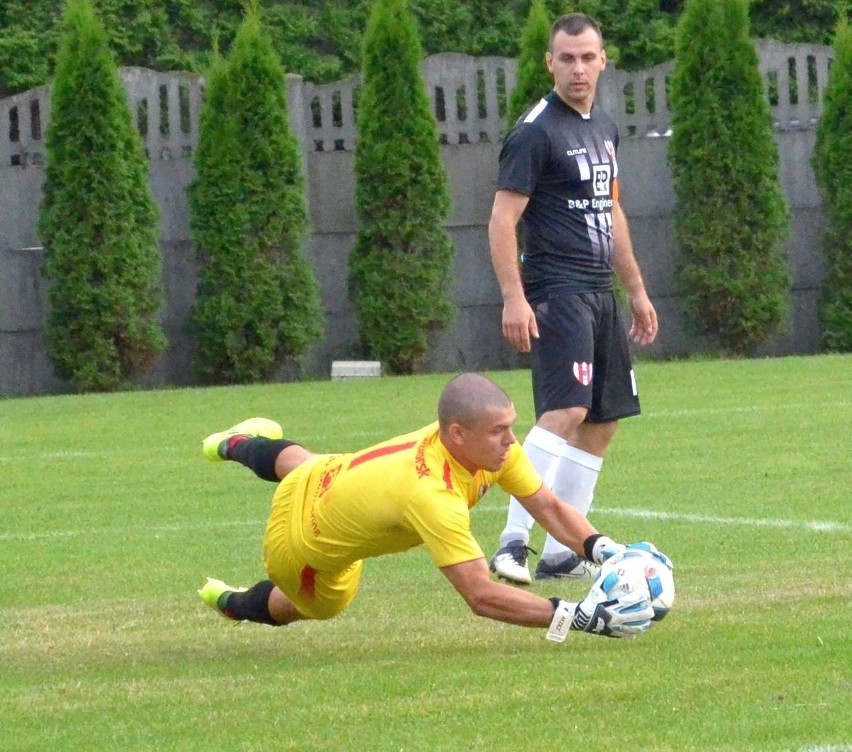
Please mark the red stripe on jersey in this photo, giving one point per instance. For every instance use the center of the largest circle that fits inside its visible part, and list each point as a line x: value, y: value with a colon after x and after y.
x: 309, y: 582
x: 381, y: 452
x: 448, y: 476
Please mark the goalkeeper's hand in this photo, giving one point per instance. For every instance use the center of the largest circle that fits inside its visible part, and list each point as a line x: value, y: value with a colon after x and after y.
x: 624, y: 610
x: 626, y: 615
x: 602, y: 548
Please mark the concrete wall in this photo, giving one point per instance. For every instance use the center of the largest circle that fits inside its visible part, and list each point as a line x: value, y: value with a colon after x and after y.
x: 469, y: 96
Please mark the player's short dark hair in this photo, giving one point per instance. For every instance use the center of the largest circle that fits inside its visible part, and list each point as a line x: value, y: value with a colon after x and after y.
x: 466, y: 399
x: 574, y: 24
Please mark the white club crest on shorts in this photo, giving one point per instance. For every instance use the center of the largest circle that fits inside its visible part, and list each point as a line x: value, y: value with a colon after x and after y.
x: 583, y: 373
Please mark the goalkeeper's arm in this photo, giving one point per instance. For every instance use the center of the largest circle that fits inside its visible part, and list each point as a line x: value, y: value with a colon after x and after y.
x: 608, y: 615
x: 506, y: 603
x: 494, y: 600
x: 569, y: 526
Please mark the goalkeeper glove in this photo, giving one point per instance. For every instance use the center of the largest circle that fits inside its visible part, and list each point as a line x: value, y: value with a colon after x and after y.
x: 625, y: 616
x: 622, y: 611
x: 598, y: 548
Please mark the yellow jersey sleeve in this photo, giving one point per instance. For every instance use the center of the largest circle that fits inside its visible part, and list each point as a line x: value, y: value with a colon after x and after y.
x: 442, y: 520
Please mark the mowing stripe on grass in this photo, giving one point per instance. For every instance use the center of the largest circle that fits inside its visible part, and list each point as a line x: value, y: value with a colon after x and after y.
x: 813, y: 526
x: 148, y: 530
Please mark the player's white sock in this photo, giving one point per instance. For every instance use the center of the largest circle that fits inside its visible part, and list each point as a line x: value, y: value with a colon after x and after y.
x: 544, y: 449
x: 575, y: 475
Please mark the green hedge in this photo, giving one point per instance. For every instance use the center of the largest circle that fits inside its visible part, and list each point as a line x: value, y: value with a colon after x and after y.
x: 321, y: 39
x: 730, y: 217
x: 257, y: 306
x: 400, y: 268
x: 533, y: 80
x: 833, y: 168
x: 98, y: 220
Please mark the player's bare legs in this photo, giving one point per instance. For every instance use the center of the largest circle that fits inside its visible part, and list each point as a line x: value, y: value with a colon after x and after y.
x: 570, y: 425
x: 281, y: 608
x: 289, y: 459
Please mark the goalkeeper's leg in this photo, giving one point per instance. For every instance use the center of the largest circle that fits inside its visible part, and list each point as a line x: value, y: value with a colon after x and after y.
x: 258, y: 444
x: 262, y: 603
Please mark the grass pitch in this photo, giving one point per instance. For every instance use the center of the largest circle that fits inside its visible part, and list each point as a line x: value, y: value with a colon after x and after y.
x: 739, y: 470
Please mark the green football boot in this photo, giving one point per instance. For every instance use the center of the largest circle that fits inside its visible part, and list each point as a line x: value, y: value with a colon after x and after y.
x: 215, y: 446
x: 213, y: 590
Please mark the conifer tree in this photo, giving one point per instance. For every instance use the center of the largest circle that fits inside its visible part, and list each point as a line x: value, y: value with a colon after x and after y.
x: 833, y: 168
x: 534, y: 80
x: 400, y: 266
x: 257, y: 305
x: 730, y: 217
x: 98, y: 220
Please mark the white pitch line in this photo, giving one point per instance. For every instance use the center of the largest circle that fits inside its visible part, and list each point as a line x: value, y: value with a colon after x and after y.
x: 814, y: 526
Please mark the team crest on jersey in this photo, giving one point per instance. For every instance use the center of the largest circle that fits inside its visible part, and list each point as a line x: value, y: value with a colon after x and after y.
x: 583, y: 373
x: 327, y: 479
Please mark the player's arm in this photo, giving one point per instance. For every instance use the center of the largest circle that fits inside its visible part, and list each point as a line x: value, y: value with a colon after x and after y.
x: 562, y: 521
x: 601, y: 613
x: 519, y: 477
x: 644, y: 326
x: 518, y: 318
x: 497, y: 601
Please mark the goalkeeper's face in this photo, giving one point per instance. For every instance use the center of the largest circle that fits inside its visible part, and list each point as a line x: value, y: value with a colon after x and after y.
x: 484, y: 444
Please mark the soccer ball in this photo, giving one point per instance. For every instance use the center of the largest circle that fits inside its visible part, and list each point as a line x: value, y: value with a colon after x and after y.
x: 641, y: 560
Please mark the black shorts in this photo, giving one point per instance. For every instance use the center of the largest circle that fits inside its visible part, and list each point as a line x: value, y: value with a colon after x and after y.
x: 582, y: 358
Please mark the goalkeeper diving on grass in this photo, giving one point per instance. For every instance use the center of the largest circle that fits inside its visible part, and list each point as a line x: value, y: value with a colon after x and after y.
x: 330, y: 512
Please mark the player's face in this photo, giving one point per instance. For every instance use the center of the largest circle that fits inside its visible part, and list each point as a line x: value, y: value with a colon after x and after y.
x: 485, y: 445
x: 576, y: 62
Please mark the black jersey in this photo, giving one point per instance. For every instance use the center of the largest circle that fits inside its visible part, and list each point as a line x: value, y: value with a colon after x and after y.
x: 566, y: 163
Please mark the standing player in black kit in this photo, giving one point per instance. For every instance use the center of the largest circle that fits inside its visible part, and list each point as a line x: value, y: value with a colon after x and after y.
x: 558, y: 173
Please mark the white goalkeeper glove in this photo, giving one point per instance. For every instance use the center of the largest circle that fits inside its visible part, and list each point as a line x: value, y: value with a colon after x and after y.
x: 624, y: 611
x: 598, y: 548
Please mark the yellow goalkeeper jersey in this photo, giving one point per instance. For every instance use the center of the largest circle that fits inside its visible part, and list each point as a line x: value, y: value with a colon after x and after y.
x: 391, y: 497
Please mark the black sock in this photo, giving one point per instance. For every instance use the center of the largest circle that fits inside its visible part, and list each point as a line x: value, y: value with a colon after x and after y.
x: 258, y: 454
x: 251, y: 605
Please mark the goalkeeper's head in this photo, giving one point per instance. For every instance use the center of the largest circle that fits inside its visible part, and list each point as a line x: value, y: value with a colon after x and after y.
x: 475, y: 417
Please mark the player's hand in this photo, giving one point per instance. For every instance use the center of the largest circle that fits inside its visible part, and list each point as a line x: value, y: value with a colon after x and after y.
x: 654, y: 551
x: 644, y: 326
x: 604, y: 548
x: 624, y: 611
x: 519, y: 324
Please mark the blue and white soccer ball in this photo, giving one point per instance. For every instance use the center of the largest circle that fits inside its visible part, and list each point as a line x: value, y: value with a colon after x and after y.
x: 636, y: 562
